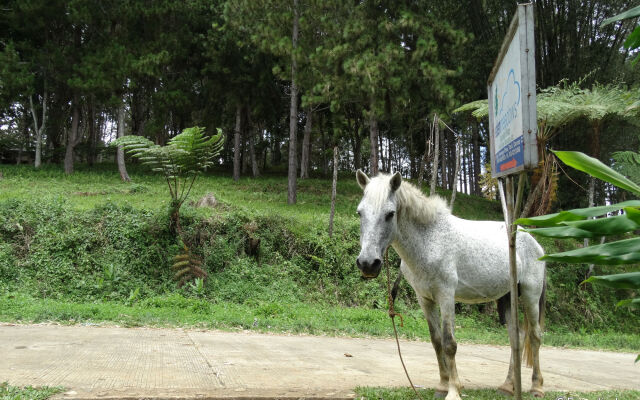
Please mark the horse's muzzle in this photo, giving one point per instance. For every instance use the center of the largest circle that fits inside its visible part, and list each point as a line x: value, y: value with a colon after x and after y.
x: 369, y: 270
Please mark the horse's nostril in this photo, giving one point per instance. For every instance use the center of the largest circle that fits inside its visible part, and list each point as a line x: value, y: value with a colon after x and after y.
x: 376, y: 263
x: 358, y: 263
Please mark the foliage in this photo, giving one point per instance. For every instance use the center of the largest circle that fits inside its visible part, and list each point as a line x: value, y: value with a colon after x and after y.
x: 575, y: 224
x: 488, y: 184
x: 180, y: 161
x: 184, y: 157
x: 10, y: 392
x: 560, y: 105
x: 92, y: 239
x: 633, y: 41
x: 628, y: 164
x: 187, y: 266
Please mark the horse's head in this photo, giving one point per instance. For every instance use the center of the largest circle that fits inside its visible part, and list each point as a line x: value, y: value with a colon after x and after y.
x: 378, y: 220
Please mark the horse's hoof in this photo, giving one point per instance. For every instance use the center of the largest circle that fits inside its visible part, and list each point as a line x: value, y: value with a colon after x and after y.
x: 440, y: 394
x: 506, y: 390
x: 538, y: 393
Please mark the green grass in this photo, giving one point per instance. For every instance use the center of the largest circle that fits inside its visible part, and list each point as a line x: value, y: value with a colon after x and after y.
x: 89, y: 187
x: 9, y: 392
x: 176, y: 310
x: 90, y: 248
x: 490, y: 394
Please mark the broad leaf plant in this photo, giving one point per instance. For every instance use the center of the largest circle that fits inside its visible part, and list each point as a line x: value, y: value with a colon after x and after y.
x: 578, y: 224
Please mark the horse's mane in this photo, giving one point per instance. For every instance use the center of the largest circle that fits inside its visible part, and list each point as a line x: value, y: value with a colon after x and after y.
x: 411, y: 202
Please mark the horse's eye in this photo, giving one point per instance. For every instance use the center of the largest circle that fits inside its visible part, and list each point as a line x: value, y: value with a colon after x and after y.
x: 389, y: 216
x: 358, y: 212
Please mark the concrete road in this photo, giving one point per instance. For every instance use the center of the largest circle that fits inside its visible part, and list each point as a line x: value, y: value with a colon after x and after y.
x: 111, y: 362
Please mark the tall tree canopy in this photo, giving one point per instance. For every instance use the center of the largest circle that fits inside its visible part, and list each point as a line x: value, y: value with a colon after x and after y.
x: 288, y: 80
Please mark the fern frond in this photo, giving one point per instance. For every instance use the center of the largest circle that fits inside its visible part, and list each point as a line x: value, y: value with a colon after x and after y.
x: 187, y: 267
x: 628, y: 164
x: 181, y: 264
x: 182, y: 272
x: 478, y: 108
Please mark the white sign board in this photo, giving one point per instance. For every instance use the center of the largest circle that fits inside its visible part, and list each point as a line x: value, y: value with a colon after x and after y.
x: 512, y: 99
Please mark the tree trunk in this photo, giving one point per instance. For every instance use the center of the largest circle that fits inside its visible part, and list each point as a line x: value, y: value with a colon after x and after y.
x: 91, y: 120
x: 475, y: 140
x: 465, y: 187
x: 436, y: 154
x: 72, y: 137
x: 356, y: 141
x: 325, y: 163
x: 595, y: 153
x: 38, y: 131
x: 276, y: 154
x: 373, y: 138
x: 334, y: 185
x: 252, y: 154
x: 236, y: 143
x: 120, y: 153
x: 25, y: 137
x: 451, y: 161
x: 293, y: 113
x: 381, y: 151
x: 306, y: 146
x: 443, y: 160
x: 389, y: 156
x: 454, y: 180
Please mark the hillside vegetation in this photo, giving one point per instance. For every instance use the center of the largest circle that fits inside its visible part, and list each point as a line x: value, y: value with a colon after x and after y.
x: 91, y: 248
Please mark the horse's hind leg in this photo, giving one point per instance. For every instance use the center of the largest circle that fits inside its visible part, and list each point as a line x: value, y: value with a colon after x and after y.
x: 433, y: 318
x: 532, y: 343
x: 449, y: 345
x: 507, y: 387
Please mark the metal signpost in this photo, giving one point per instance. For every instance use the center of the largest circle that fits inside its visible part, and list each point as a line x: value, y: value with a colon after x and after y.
x: 512, y: 126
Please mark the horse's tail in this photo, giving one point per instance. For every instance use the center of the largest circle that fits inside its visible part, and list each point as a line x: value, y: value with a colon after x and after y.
x: 528, y: 351
x: 543, y: 299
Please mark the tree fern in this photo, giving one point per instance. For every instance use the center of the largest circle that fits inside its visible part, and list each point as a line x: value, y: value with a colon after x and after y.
x: 180, y: 161
x: 628, y: 164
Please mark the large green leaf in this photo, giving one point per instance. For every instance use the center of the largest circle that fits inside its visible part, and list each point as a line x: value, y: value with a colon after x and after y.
x: 628, y: 280
x: 596, y: 168
x: 629, y: 302
x: 614, y: 253
x: 605, y: 226
x: 633, y: 40
x: 633, y: 12
x: 560, y: 232
x: 633, y: 214
x: 575, y: 215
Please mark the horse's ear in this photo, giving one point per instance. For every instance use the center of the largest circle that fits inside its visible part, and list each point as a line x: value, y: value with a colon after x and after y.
x: 396, y: 180
x: 362, y: 179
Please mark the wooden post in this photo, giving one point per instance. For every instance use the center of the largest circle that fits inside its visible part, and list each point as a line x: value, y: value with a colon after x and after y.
x: 436, y: 149
x: 511, y: 210
x: 334, y: 185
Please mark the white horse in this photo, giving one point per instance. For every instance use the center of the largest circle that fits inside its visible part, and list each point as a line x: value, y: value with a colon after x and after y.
x: 447, y: 259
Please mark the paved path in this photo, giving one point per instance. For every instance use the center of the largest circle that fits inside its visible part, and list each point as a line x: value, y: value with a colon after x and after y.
x: 110, y: 362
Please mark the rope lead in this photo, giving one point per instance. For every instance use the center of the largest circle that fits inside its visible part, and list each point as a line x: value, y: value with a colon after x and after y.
x: 392, y: 315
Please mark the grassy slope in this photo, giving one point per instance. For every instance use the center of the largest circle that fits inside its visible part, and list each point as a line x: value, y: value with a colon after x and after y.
x: 266, y: 195
x: 270, y: 299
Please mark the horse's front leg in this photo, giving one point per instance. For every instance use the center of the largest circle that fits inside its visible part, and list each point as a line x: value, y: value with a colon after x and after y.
x: 433, y: 318
x: 449, y: 345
